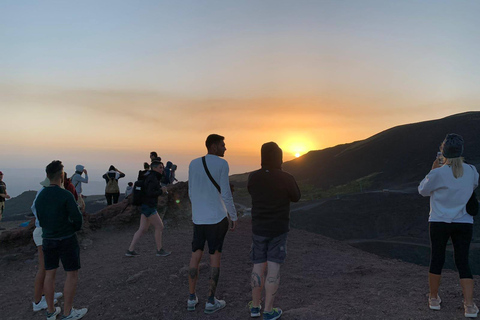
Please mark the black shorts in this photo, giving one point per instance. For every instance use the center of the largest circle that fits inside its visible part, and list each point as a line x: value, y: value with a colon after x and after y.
x: 66, y: 250
x: 269, y: 249
x: 214, y: 234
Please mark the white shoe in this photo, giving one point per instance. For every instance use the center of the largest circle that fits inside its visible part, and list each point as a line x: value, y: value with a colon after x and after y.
x: 213, y: 307
x: 53, y: 316
x: 191, y: 304
x: 76, y: 314
x: 42, y: 305
x: 471, y: 311
x: 57, y: 295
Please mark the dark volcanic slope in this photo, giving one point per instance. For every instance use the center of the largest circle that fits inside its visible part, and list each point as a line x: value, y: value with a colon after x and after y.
x: 401, y: 155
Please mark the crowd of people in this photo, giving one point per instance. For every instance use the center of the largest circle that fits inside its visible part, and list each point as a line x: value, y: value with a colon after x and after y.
x: 449, y: 184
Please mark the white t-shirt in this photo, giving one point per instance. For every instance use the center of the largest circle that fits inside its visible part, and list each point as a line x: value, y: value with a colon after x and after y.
x: 208, y: 205
x: 449, y: 195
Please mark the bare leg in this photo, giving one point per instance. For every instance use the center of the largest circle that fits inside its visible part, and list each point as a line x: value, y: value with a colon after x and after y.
x: 271, y: 284
x: 467, y: 288
x: 214, y: 272
x: 193, y: 270
x: 157, y: 222
x: 434, y: 284
x: 40, y: 277
x: 141, y: 230
x: 69, y: 290
x: 257, y: 282
x: 49, y: 288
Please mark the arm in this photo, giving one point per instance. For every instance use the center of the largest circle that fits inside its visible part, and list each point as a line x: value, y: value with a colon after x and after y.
x: 428, y: 184
x: 294, y: 190
x: 74, y: 213
x: 152, y: 187
x: 226, y: 193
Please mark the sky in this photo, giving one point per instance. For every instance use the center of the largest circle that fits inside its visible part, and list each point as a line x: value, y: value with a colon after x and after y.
x: 106, y: 82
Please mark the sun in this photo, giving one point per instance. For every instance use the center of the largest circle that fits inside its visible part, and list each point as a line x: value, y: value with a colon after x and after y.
x: 298, y: 145
x: 297, y: 154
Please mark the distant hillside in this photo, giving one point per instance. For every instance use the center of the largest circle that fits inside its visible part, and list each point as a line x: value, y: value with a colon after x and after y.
x: 17, y: 208
x: 396, y: 158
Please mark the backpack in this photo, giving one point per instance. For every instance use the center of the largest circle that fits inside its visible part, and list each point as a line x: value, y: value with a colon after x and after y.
x: 136, y: 197
x: 112, y: 186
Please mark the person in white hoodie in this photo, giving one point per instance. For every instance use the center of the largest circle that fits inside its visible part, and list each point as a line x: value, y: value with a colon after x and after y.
x: 77, y: 181
x: 449, y: 187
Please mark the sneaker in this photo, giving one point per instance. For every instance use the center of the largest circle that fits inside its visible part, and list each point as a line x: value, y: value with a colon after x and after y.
x: 471, y: 311
x: 75, y: 314
x: 163, y: 253
x: 53, y: 315
x: 434, y: 303
x: 131, y: 253
x: 254, y: 311
x: 276, y: 313
x: 213, y: 307
x: 57, y: 295
x: 42, y: 305
x: 191, y: 304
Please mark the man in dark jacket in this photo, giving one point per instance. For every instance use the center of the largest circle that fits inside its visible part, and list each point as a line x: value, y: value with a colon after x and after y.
x: 152, y: 190
x: 59, y: 217
x: 272, y: 190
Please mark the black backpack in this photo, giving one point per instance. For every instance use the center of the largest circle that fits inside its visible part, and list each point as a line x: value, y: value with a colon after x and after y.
x: 138, y: 193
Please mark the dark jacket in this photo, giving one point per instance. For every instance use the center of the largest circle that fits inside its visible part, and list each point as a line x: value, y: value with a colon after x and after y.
x: 152, y: 188
x: 272, y: 190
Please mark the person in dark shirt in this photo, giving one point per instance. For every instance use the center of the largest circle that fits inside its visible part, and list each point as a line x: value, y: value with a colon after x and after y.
x: 3, y: 195
x: 272, y: 190
x: 112, y: 191
x: 59, y: 217
x: 149, y: 214
x: 142, y: 173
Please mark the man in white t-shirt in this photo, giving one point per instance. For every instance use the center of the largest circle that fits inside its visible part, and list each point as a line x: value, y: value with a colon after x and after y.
x: 212, y: 209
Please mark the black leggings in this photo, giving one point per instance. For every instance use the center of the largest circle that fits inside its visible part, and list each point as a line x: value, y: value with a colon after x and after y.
x: 461, y: 234
x: 111, y: 196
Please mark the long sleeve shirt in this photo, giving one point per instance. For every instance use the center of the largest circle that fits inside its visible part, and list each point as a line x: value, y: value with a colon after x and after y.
x: 77, y: 180
x: 449, y: 195
x: 208, y: 205
x: 57, y: 213
x: 272, y: 190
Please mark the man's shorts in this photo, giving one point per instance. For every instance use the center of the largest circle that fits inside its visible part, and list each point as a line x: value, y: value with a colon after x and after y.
x: 148, y: 211
x: 37, y: 236
x: 214, y: 234
x: 269, y: 249
x: 66, y: 250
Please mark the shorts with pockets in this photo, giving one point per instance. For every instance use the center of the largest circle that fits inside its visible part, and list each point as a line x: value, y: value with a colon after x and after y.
x: 67, y: 250
x: 269, y: 249
x: 213, y: 234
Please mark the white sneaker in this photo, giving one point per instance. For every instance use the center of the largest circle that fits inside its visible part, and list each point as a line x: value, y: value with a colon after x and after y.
x: 75, y: 314
x: 213, y: 307
x: 53, y: 315
x: 57, y: 295
x: 191, y: 304
x: 42, y: 305
x: 471, y: 311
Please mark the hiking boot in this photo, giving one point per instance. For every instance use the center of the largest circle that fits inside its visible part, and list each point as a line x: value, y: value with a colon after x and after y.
x: 191, y: 304
x: 213, y: 307
x: 53, y: 315
x: 254, y: 311
x: 276, y: 313
x: 434, y: 303
x: 131, y: 253
x: 163, y: 253
x: 42, y: 305
x: 471, y: 311
x: 75, y: 314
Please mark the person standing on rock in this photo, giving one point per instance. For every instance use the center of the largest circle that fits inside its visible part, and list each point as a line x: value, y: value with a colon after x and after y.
x: 149, y: 214
x: 272, y: 190
x: 112, y: 191
x: 3, y: 195
x: 59, y: 217
x: 449, y: 187
x: 77, y: 181
x: 212, y: 206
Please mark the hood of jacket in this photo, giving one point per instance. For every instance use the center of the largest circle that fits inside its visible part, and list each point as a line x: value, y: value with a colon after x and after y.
x: 272, y: 156
x: 79, y: 168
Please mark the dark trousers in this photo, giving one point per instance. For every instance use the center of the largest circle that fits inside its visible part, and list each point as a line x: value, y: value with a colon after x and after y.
x: 112, y: 196
x: 461, y: 235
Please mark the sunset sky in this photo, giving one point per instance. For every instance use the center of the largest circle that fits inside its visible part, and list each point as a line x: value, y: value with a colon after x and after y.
x: 106, y: 82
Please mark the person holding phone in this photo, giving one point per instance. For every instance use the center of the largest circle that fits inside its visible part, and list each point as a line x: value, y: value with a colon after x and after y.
x: 449, y: 187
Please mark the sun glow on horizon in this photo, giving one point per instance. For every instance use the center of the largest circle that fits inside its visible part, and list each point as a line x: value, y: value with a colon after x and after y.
x: 298, y: 145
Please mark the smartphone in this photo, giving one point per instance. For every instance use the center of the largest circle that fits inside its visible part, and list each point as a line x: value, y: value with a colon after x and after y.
x: 441, y: 158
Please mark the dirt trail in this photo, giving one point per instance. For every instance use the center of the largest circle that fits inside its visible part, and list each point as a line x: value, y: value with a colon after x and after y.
x: 321, y: 279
